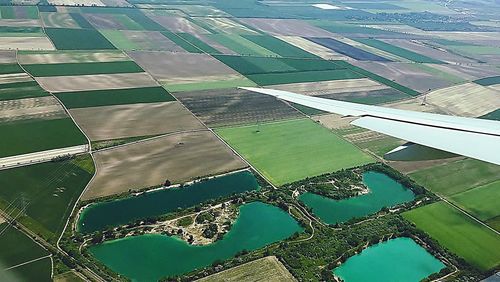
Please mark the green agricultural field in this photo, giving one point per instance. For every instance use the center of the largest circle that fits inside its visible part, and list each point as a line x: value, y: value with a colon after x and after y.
x: 20, y: 90
x: 204, y: 47
x: 481, y: 201
x: 41, y: 70
x: 28, y: 136
x: 398, y: 51
x: 488, y: 81
x: 291, y: 150
x: 241, y: 45
x: 81, y: 21
x: 108, y: 97
x: 10, y: 68
x: 39, y: 271
x: 278, y: 46
x: 306, y: 76
x: 119, y: 40
x: 494, y: 223
x: 438, y: 73
x: 452, y: 178
x: 460, y: 234
x: 25, y: 249
x: 495, y: 115
x: 48, y: 189
x: 78, y: 39
x: 181, y: 42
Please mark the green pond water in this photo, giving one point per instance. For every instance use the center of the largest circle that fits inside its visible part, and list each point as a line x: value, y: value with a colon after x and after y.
x: 113, y: 213
x: 399, y: 259
x: 384, y: 192
x: 150, y: 257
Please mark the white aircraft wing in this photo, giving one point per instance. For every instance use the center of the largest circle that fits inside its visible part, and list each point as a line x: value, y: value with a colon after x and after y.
x: 474, y: 138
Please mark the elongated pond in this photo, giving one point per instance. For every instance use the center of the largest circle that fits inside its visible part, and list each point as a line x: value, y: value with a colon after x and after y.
x: 113, y: 213
x: 399, y: 259
x: 150, y: 257
x: 384, y: 192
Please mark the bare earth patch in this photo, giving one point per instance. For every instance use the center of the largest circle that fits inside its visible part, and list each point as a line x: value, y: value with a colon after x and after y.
x: 469, y: 99
x: 39, y: 108
x: 330, y: 87
x: 58, y: 20
x: 151, y: 40
x: 178, y: 24
x: 76, y: 2
x: 14, y: 77
x: 20, y: 23
x: 179, y: 158
x: 121, y: 121
x: 72, y: 57
x: 95, y: 82
x: 170, y: 67
x: 287, y: 27
x: 264, y: 269
x: 7, y: 57
x: 26, y: 43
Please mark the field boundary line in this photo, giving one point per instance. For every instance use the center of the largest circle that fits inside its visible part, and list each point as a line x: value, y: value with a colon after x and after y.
x: 28, y: 262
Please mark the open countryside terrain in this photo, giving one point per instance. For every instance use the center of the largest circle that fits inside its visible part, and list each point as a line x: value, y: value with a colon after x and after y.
x: 108, y: 102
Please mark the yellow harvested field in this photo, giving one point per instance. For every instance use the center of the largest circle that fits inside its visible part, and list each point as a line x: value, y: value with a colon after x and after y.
x: 26, y: 43
x: 313, y: 48
x: 264, y: 269
x: 178, y: 158
x: 14, y: 77
x: 40, y: 108
x: 469, y: 99
x: 331, y: 87
x: 96, y: 82
x: 72, y: 57
x: 121, y: 121
x: 334, y: 121
x: 415, y: 104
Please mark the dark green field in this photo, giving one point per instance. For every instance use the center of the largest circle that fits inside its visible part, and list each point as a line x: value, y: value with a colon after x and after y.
x: 10, y: 68
x: 78, y: 39
x: 306, y: 76
x: 21, y: 137
x: 49, y: 189
x: 488, y: 81
x: 181, y: 42
x: 40, y: 70
x: 84, y: 99
x: 17, y: 247
x: 20, y: 90
x: 197, y: 43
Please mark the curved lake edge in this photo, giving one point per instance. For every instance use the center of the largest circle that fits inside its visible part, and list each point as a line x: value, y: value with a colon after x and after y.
x: 247, y: 181
x: 433, y: 265
x: 356, y: 208
x: 246, y: 235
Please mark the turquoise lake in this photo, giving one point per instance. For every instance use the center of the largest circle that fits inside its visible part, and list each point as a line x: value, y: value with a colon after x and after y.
x: 151, y: 257
x: 399, y: 259
x: 384, y: 192
x: 113, y: 213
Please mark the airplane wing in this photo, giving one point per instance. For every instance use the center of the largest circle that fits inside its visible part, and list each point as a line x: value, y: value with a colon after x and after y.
x: 474, y: 138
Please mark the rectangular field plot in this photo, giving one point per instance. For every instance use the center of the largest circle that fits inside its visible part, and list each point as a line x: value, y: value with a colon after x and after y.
x: 290, y: 27
x: 78, y: 39
x: 398, y: 51
x: 292, y: 150
x: 7, y: 57
x: 450, y: 179
x: 488, y: 81
x: 467, y: 99
x: 267, y: 268
x: 20, y: 90
x: 52, y: 184
x: 481, y: 201
x: 26, y: 43
x: 18, y: 12
x: 305, y: 76
x: 226, y: 25
x: 360, y: 90
x: 96, y: 98
x: 241, y: 45
x: 17, y: 137
x: 121, y: 121
x: 279, y: 47
x: 346, y: 49
x: 235, y: 106
x: 178, y: 25
x: 42, y: 70
x: 96, y: 82
x: 31, y: 108
x: 67, y: 57
x: 477, y: 244
x: 140, y: 40
x: 313, y: 48
x: 179, y: 158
